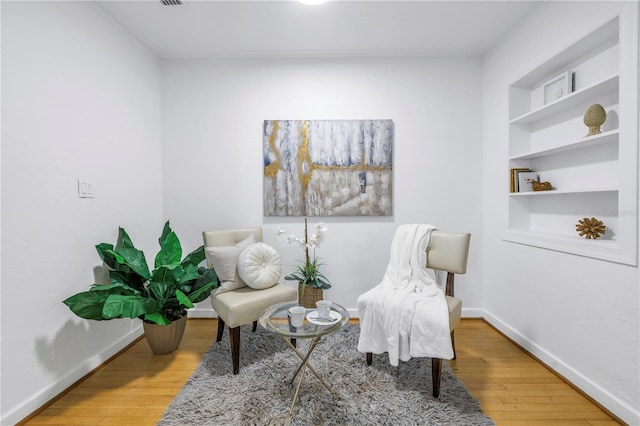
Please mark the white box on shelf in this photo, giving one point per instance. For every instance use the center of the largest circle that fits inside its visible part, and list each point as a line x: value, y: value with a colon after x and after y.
x: 558, y: 87
x: 525, y: 180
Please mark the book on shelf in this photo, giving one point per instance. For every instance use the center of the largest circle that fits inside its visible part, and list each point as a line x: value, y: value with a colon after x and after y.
x: 514, y: 177
x: 525, y: 180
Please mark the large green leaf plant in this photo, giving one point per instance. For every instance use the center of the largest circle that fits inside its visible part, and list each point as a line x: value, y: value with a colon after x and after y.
x: 159, y: 296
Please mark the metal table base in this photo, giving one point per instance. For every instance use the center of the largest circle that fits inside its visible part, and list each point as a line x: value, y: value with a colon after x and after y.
x: 301, y: 370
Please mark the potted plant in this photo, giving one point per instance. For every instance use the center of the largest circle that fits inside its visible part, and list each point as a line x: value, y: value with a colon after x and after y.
x: 308, y: 274
x: 160, y: 297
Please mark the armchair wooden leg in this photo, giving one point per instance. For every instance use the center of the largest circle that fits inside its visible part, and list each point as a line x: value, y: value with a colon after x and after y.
x: 369, y: 358
x: 234, y: 337
x: 220, y: 329
x: 453, y: 344
x: 436, y: 371
x: 255, y: 326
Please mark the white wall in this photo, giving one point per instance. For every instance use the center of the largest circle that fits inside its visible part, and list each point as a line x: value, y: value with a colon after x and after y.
x: 579, y: 315
x: 212, y: 148
x: 80, y: 99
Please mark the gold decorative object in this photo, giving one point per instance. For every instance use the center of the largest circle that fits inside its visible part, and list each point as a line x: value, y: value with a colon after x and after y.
x: 590, y: 228
x: 594, y: 118
x: 541, y: 186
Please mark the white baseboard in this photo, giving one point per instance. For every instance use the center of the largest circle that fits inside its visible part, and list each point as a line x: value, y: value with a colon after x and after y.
x: 202, y: 313
x: 38, y: 400
x: 620, y: 408
x: 472, y: 312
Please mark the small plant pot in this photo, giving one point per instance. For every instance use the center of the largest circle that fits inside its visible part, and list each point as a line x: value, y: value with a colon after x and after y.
x: 309, y: 296
x: 164, y: 339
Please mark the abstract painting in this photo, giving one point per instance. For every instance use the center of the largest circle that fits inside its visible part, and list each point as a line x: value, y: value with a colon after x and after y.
x: 328, y: 167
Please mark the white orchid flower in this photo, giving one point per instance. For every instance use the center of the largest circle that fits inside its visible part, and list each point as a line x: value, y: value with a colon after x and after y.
x: 317, y: 239
x: 308, y: 273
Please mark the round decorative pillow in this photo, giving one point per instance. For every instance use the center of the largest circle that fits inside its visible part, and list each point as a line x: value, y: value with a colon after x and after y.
x: 259, y: 266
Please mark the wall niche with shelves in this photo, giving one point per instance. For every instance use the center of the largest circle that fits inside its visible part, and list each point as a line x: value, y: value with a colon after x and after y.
x: 591, y: 176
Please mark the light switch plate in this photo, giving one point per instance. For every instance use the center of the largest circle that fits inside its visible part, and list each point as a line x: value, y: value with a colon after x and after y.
x: 85, y: 188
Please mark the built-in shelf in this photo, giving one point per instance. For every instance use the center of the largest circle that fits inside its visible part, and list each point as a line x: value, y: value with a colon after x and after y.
x: 596, y: 176
x: 582, y: 48
x: 571, y: 100
x: 582, y: 143
x: 610, y: 250
x: 555, y: 192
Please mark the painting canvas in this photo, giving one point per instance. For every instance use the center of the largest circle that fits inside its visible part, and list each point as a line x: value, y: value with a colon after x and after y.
x: 328, y: 167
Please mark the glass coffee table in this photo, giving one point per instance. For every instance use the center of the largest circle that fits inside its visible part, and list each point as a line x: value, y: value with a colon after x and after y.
x: 275, y: 320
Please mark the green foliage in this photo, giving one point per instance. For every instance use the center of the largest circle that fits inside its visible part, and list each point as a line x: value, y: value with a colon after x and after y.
x: 160, y: 296
x: 309, y: 274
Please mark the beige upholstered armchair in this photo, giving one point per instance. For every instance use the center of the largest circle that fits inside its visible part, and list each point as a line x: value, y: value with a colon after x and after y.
x: 445, y: 251
x: 234, y: 301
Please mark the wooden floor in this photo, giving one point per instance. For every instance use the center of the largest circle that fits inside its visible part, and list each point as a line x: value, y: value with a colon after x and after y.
x: 135, y: 387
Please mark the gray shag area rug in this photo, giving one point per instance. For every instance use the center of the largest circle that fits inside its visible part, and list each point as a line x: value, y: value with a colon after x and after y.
x: 378, y: 394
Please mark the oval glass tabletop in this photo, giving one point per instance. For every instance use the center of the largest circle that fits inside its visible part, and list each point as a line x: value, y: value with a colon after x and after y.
x: 276, y: 320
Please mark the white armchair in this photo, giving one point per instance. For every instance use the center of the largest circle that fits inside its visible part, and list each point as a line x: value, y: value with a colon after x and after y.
x: 446, y: 251
x: 235, y: 303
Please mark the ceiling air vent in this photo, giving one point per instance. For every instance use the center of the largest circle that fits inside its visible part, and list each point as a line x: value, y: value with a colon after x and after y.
x: 171, y: 2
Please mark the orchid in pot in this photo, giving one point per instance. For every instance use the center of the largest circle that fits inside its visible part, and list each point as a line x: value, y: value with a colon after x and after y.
x: 308, y: 274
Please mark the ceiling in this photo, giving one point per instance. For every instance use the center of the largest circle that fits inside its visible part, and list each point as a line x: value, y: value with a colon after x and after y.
x: 239, y: 29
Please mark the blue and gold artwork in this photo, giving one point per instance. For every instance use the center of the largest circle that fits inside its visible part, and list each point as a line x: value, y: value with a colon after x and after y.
x: 328, y: 167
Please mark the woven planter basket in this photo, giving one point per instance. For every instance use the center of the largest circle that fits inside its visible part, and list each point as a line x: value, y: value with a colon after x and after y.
x: 309, y: 297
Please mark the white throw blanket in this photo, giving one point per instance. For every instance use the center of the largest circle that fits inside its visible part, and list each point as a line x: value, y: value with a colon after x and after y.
x: 406, y: 314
